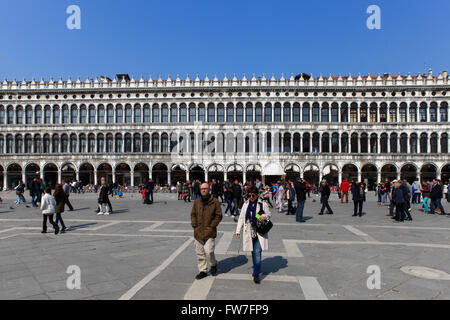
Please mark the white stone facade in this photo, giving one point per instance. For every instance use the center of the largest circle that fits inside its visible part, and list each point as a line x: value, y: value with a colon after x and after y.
x: 364, y: 128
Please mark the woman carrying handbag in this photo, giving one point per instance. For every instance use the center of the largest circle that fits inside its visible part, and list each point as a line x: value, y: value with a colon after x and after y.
x: 254, y: 210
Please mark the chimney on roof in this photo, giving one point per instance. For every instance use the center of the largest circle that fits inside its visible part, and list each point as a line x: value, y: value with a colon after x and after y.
x: 444, y: 74
x: 123, y: 76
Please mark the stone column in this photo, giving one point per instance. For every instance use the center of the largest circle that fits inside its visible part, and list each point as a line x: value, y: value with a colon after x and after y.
x: 168, y: 177
x: 5, y: 186
x: 96, y: 177
x: 339, y: 177
x: 132, y: 178
x: 379, y: 176
x: 244, y: 176
x: 359, y: 175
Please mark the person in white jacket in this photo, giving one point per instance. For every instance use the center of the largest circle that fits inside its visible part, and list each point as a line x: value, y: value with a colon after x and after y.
x: 252, y: 241
x: 48, y: 204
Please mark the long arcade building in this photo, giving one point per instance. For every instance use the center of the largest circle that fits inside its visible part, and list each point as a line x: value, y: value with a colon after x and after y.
x: 366, y: 128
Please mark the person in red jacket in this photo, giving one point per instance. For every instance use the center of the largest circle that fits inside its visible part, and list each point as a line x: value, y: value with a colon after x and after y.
x: 344, y: 189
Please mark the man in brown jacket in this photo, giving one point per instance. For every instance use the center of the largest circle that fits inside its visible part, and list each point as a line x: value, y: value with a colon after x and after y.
x: 206, y: 214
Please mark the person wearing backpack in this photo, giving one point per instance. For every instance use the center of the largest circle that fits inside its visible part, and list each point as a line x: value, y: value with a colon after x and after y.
x: 253, y: 241
x: 48, y: 204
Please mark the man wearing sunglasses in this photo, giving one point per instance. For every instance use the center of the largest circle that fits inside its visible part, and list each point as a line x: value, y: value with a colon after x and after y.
x: 206, y: 215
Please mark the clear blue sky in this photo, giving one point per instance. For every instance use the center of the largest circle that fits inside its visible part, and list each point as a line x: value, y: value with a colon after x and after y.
x: 216, y: 37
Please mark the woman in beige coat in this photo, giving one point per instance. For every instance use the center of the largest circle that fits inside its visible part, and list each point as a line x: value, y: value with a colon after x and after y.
x: 252, y: 241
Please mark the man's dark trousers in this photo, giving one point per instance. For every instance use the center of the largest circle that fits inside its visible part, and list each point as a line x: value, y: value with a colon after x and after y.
x: 299, y: 211
x: 326, y: 205
x: 69, y: 204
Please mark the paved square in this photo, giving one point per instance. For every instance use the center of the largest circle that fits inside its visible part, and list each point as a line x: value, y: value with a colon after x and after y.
x: 147, y: 252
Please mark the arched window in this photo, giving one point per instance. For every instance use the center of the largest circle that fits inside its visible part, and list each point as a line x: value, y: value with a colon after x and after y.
x: 444, y: 112
x: 164, y: 142
x: 73, y: 143
x: 38, y: 115
x: 305, y: 112
x: 127, y: 144
x: 287, y: 142
x: 277, y: 112
x: 433, y: 112
x: 364, y: 143
x: 334, y: 112
x: 155, y: 143
x: 383, y: 112
x: 28, y: 115
x: 296, y: 111
x: 155, y: 112
x: 363, y: 112
x: 174, y: 113
x: 119, y: 114
x: 444, y: 143
x: 101, y: 114
x: 137, y: 114
x: 306, y: 142
x: 82, y: 143
x: 109, y: 143
x: 47, y: 115
x: 315, y: 112
x: 183, y: 113
x: 296, y: 145
x: 119, y: 143
x: 146, y: 143
x: 402, y: 111
x: 201, y: 112
x: 137, y: 142
x: 335, y: 143
x: 268, y: 112
x: 56, y: 115
x: 46, y: 144
x: 19, y: 115
x: 354, y: 142
x: 423, y: 112
x: 165, y: 113
x: 344, y: 143
x: 91, y: 143
x: 192, y: 112
x: 2, y: 114
x: 373, y: 112
x: 354, y: 112
x: 64, y: 143
x: 413, y: 143
x: 128, y: 114
x: 383, y: 143
x: 393, y: 142
x: 230, y: 112
x: 10, y: 115
x: 403, y: 143
x: 38, y: 144
x: 423, y: 143
x: 315, y: 142
x: 413, y: 112
x: 344, y: 112
x: 55, y: 143
x: 100, y: 143
x: 248, y: 112
x: 74, y: 114
x: 325, y: 142
x: 393, y: 112
x: 91, y: 114
x: 147, y: 113
x: 211, y: 112
x: 325, y: 116
x: 433, y: 142
x: 239, y: 112
x: 9, y: 144
x: 373, y: 143
x: 19, y: 144
x: 287, y: 112
x: 83, y: 114
x: 28, y: 144
x: 258, y: 112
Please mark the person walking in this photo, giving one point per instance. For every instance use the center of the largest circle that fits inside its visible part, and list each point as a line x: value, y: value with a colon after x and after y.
x: 324, y: 196
x: 236, y: 190
x: 252, y: 240
x: 179, y: 189
x: 358, y: 197
x: 300, y: 190
x: 206, y: 215
x: 103, y: 200
x: 344, y: 190
x: 436, y: 197
x: 228, y: 194
x: 35, y: 190
x: 406, y: 188
x: 399, y: 200
x: 426, y: 196
x: 66, y: 189
x: 48, y: 204
x: 20, y: 189
x: 416, y: 191
x: 265, y: 195
x: 61, y: 200
x: 196, y: 189
x: 186, y: 191
x: 279, y: 197
x: 290, y: 197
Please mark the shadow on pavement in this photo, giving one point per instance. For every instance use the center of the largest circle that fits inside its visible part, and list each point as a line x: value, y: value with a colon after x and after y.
x: 273, y: 265
x: 228, y: 264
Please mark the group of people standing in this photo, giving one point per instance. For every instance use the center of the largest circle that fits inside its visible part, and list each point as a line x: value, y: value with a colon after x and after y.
x: 54, y: 205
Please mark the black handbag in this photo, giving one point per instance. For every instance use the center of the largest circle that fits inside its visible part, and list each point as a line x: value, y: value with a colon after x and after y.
x: 262, y: 227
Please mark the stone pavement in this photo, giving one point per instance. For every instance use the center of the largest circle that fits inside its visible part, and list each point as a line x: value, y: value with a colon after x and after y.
x: 147, y: 252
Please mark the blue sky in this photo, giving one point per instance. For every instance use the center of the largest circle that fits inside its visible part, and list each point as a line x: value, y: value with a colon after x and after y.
x: 148, y: 37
